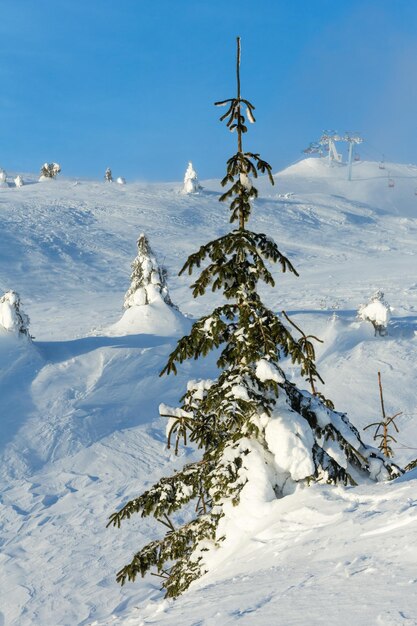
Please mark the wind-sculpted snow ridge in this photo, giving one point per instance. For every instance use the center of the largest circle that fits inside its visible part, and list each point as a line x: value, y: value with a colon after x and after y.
x: 79, y: 428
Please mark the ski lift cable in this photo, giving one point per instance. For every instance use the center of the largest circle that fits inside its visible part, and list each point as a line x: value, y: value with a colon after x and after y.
x: 381, y: 154
x: 372, y: 154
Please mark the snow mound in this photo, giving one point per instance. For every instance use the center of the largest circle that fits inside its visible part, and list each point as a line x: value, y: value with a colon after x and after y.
x: 309, y: 167
x: 45, y: 179
x: 155, y: 318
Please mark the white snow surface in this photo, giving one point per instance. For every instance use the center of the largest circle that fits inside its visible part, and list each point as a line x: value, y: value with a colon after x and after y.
x: 80, y: 432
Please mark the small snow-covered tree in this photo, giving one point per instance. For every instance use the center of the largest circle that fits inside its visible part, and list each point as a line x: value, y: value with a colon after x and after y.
x: 148, y: 278
x: 377, y: 311
x: 191, y: 184
x: 12, y: 317
x: 259, y: 435
x: 108, y: 176
x: 49, y: 170
x: 18, y: 181
x: 3, y: 178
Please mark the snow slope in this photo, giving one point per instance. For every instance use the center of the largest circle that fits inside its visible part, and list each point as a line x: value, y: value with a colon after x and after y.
x: 79, y: 427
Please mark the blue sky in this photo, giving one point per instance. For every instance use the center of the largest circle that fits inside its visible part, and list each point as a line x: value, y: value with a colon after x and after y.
x: 131, y: 84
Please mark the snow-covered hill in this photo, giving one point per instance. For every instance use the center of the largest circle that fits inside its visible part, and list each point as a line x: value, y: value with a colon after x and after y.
x: 79, y: 427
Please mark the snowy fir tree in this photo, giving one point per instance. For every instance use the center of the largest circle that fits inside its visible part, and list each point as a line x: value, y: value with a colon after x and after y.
x: 191, y: 184
x: 377, y: 312
x: 12, y: 317
x: 148, y: 280
x: 259, y: 435
x: 49, y: 170
x: 3, y: 178
x: 18, y: 181
x: 108, y: 176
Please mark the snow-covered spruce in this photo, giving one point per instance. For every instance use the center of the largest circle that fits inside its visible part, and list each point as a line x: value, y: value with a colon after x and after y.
x: 148, y: 306
x: 3, y: 178
x: 191, y: 184
x: 108, y: 176
x: 148, y: 280
x: 12, y: 318
x: 18, y: 181
x: 49, y: 171
x: 377, y: 311
x: 259, y: 435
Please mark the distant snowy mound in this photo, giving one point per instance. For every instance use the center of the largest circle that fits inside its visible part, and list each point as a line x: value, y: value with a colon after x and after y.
x: 311, y: 167
x: 390, y: 187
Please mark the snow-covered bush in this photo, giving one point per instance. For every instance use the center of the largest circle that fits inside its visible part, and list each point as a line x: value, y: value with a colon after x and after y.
x: 120, y: 180
x: 108, y: 176
x: 191, y: 184
x: 148, y: 279
x: 3, y: 178
x: 377, y: 311
x: 12, y: 318
x: 18, y: 181
x: 49, y: 171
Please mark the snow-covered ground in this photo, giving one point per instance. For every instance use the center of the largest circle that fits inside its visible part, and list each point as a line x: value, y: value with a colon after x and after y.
x: 80, y: 432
